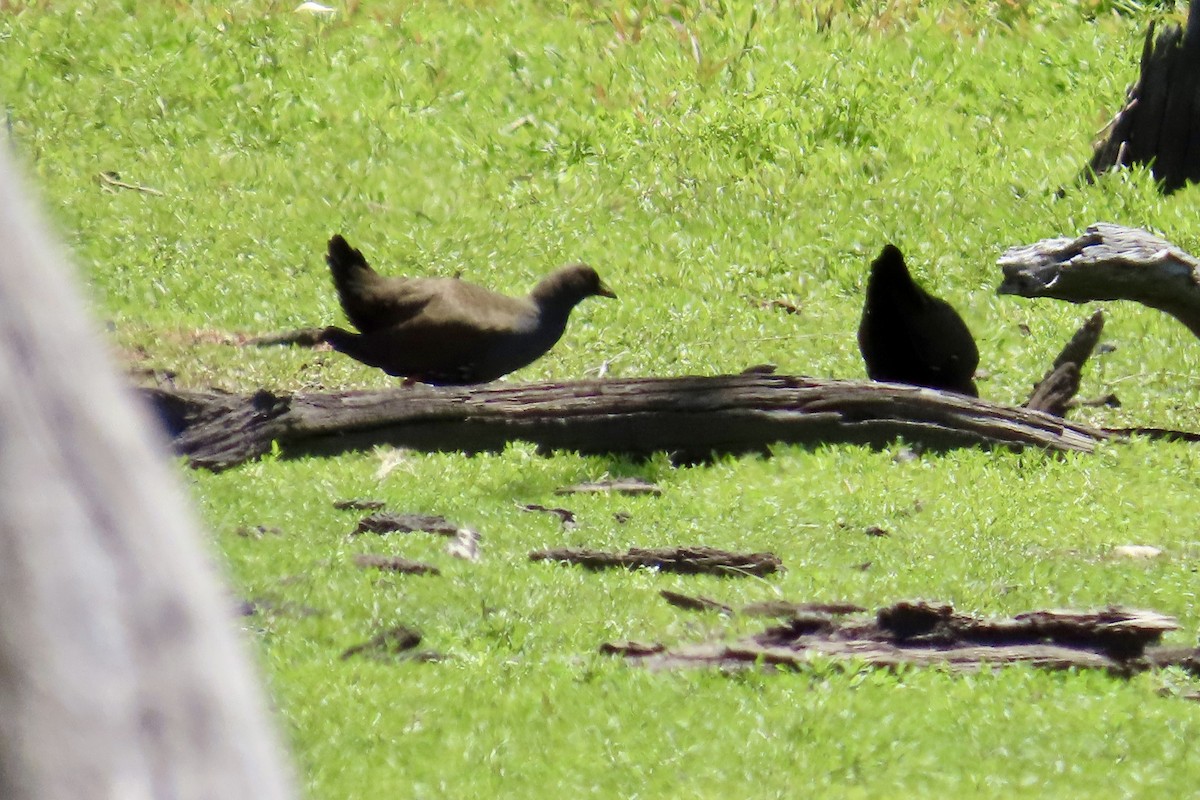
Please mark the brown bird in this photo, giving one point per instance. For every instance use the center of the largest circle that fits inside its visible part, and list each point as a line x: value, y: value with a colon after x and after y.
x: 446, y: 331
x: 909, y: 336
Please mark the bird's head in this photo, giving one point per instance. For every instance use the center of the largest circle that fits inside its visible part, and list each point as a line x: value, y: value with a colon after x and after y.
x: 890, y: 264
x: 568, y: 285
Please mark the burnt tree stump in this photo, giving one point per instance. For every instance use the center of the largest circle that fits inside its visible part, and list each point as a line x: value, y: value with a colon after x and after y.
x: 1159, y: 125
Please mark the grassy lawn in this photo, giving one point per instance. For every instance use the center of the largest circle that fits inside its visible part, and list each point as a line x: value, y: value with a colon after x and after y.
x: 703, y: 158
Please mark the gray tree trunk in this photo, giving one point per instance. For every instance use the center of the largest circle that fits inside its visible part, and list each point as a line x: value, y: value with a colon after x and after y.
x: 121, y: 675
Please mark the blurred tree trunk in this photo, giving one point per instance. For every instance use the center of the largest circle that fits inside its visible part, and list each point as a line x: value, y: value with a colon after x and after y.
x: 121, y: 675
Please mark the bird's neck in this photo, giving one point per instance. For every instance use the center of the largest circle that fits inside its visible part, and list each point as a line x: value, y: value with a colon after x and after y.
x: 553, y: 299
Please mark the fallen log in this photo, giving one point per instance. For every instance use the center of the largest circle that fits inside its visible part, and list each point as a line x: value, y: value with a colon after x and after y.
x: 691, y: 417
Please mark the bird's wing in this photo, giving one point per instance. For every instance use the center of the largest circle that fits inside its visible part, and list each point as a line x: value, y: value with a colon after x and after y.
x: 387, y: 302
x: 462, y: 306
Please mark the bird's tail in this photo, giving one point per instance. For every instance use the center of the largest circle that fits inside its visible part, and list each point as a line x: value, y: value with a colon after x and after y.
x: 351, y: 273
x: 339, y: 339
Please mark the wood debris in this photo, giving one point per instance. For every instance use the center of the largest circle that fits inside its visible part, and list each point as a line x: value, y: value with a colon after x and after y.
x: 690, y: 560
x: 927, y: 634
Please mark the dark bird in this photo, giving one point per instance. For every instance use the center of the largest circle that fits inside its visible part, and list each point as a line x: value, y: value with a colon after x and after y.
x: 909, y: 336
x: 447, y: 331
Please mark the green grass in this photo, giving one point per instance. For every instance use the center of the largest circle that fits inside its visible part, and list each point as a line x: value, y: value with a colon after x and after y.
x: 700, y: 158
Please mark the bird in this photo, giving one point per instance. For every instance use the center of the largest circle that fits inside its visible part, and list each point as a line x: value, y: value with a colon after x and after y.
x: 446, y: 331
x: 909, y: 336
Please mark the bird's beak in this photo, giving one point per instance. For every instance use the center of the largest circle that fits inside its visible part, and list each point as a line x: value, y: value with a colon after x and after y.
x: 604, y: 291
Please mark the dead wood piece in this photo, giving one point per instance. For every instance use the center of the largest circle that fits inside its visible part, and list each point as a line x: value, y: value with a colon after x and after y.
x: 1109, y: 400
x: 392, y: 642
x: 1107, y: 262
x: 631, y: 649
x: 358, y: 504
x: 394, y: 564
x: 1157, y: 434
x: 688, y: 560
x: 905, y: 619
x: 693, y: 418
x: 1113, y: 630
x: 111, y: 179
x: 565, y: 515
x: 632, y: 486
x: 889, y: 656
x: 783, y: 608
x: 931, y: 634
x: 1079, y: 349
x: 697, y: 603
x: 760, y: 369
x: 1186, y: 658
x: 776, y: 303
x: 388, y: 522
x: 1116, y: 631
x: 258, y: 531
x: 1158, y: 125
x: 1055, y: 392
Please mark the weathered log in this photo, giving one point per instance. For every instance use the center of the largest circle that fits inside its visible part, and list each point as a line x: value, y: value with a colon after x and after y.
x: 924, y: 634
x: 1159, y: 125
x: 691, y: 417
x: 1108, y: 262
x: 1079, y: 349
